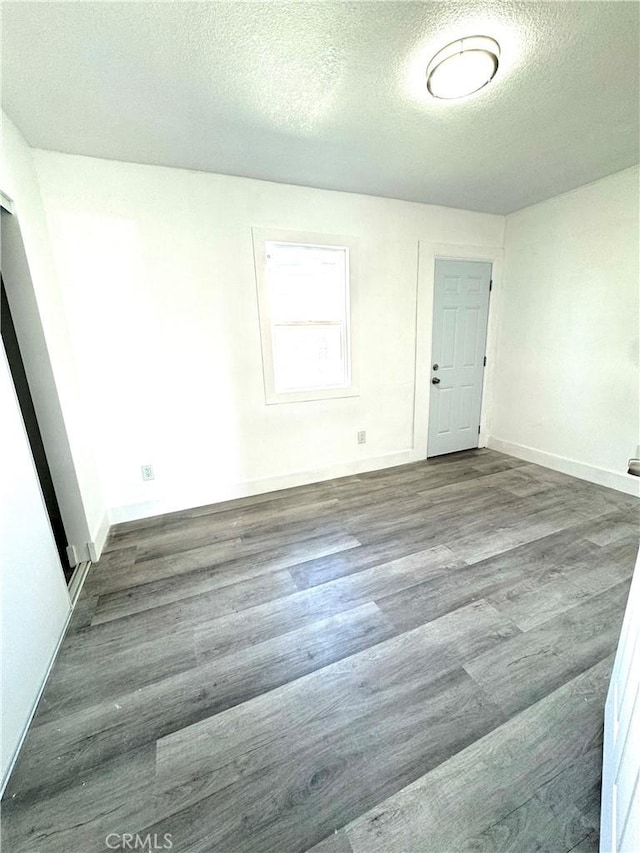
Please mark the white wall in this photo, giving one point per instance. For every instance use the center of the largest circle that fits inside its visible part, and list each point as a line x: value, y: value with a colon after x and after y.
x: 157, y: 286
x: 65, y: 420
x: 566, y: 380
x: 35, y: 604
x: 156, y: 267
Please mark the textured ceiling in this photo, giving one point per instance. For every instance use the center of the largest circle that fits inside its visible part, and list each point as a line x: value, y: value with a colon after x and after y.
x: 332, y: 94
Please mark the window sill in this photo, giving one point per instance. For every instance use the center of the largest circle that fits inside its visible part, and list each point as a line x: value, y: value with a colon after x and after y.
x: 272, y: 398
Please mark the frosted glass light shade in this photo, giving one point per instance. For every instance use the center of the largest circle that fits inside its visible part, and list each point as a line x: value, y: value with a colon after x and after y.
x: 463, y: 67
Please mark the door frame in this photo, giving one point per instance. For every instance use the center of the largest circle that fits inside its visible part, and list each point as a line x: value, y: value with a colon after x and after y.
x: 616, y: 742
x: 33, y: 431
x: 428, y: 253
x: 42, y: 383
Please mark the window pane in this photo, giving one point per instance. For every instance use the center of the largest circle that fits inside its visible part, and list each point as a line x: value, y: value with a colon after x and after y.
x: 308, y: 356
x: 306, y: 283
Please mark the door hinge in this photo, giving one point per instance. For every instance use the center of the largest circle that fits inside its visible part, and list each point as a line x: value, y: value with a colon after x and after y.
x: 484, y: 361
x: 478, y: 429
x: 491, y: 284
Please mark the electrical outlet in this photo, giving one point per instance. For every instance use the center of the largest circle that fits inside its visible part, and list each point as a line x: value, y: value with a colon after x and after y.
x: 362, y: 436
x: 147, y: 472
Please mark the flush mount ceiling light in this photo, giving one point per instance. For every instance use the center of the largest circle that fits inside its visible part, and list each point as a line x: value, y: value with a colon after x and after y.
x: 463, y: 67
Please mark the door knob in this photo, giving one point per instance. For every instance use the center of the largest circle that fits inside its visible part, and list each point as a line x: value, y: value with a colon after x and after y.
x: 435, y: 381
x: 436, y: 366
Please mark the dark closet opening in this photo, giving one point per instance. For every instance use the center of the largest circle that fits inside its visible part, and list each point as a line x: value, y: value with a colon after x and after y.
x: 23, y: 393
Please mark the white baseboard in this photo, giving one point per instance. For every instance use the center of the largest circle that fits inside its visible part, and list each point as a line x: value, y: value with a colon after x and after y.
x: 99, y: 539
x: 618, y: 480
x: 132, y: 512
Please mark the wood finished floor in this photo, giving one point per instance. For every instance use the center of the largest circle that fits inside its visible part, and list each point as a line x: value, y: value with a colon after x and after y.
x: 413, y: 659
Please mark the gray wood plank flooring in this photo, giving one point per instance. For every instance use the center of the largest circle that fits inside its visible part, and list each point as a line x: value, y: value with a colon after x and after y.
x: 404, y: 660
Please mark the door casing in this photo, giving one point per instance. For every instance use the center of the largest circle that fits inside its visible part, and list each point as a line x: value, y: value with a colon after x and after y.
x: 428, y: 253
x: 37, y: 363
x: 32, y: 427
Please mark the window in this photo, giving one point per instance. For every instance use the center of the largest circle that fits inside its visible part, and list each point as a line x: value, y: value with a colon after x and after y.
x: 304, y: 296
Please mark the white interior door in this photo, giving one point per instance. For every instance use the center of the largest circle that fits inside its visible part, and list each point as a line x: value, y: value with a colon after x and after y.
x: 460, y: 314
x: 620, y: 817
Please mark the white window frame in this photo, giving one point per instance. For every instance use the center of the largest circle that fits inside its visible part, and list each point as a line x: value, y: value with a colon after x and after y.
x: 260, y: 237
